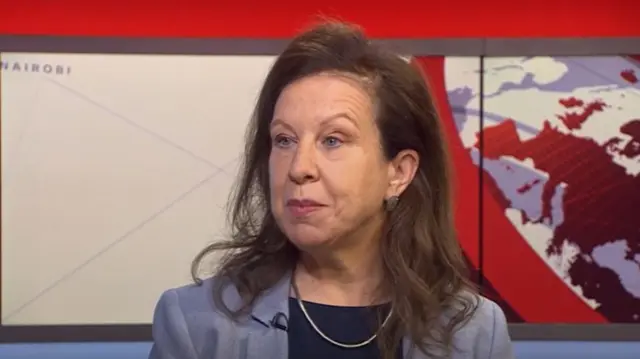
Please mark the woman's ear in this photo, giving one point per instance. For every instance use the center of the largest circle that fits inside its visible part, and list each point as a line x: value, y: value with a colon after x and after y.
x: 402, y: 170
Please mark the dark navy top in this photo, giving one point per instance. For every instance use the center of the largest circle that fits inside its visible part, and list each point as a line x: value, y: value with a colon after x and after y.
x: 343, y: 324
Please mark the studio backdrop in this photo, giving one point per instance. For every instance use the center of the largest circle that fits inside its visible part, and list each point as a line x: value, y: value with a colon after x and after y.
x: 118, y: 156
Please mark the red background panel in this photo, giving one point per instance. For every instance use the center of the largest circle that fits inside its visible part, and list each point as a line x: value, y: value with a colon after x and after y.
x: 259, y: 19
x: 521, y: 277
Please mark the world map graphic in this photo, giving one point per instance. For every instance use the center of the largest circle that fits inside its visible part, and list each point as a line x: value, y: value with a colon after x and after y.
x: 561, y: 155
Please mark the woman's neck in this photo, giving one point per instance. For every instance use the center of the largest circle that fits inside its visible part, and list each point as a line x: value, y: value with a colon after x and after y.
x: 342, y: 278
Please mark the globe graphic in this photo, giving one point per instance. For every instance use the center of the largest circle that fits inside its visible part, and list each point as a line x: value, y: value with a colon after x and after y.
x: 561, y: 156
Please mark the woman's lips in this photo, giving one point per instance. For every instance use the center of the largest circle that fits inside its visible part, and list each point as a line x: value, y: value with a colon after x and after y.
x: 301, y: 207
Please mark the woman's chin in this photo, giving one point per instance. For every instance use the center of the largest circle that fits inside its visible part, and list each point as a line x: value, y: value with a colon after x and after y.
x: 309, y: 242
x: 308, y: 238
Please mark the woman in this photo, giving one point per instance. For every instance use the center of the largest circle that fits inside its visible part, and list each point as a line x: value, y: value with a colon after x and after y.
x: 343, y: 243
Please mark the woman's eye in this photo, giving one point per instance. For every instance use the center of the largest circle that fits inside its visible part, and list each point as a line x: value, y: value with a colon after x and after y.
x: 332, y: 141
x: 282, y: 141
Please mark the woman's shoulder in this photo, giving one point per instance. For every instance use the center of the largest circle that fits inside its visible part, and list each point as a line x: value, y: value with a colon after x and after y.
x: 188, y: 323
x: 198, y: 297
x: 487, y: 314
x: 486, y: 329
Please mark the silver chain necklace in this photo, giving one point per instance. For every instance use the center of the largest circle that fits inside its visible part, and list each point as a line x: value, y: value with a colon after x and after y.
x: 324, y: 336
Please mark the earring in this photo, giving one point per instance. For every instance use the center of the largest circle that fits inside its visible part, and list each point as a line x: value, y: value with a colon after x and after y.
x: 391, y: 203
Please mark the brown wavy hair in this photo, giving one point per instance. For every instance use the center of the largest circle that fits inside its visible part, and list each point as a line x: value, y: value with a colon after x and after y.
x: 425, y: 271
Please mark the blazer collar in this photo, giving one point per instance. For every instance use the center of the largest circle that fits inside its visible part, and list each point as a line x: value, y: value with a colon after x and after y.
x: 273, y: 301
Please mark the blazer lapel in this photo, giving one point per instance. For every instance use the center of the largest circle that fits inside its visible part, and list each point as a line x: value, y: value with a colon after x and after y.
x: 407, y: 349
x: 267, y: 341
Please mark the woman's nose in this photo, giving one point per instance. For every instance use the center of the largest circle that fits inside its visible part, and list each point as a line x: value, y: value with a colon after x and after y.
x: 304, y: 167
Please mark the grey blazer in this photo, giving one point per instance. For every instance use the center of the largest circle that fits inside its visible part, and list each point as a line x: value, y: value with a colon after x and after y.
x: 187, y: 325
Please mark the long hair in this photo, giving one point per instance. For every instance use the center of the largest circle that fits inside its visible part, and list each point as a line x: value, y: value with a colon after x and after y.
x: 425, y: 272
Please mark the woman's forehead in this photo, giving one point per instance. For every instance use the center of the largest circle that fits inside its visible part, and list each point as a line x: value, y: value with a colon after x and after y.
x: 323, y: 96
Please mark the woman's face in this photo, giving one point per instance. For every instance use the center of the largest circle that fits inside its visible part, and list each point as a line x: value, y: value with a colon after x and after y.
x: 328, y: 175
